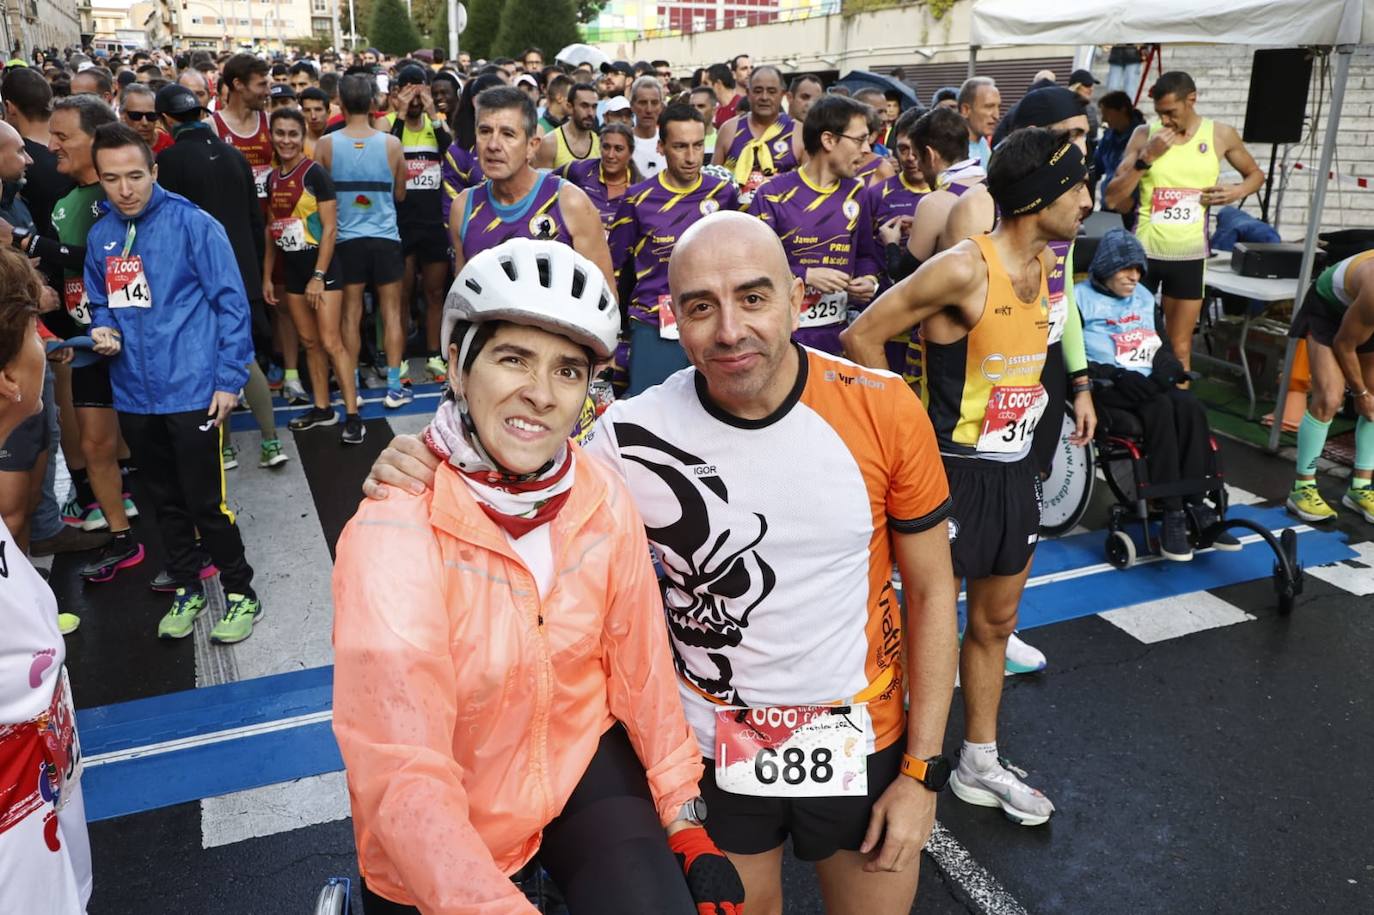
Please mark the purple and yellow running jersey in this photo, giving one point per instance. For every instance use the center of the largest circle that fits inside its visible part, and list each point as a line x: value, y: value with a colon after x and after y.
x: 487, y: 223
x: 894, y: 197
x: 771, y: 157
x: 460, y: 171
x: 586, y: 174
x: 651, y: 218
x: 820, y: 227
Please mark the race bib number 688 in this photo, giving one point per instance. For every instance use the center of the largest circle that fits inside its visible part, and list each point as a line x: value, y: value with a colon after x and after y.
x: 793, y: 751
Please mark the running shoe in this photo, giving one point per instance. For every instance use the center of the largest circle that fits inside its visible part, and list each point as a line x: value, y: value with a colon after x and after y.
x: 1307, y: 503
x: 1002, y: 786
x: 1173, y: 536
x: 1360, y: 501
x: 95, y: 518
x: 294, y: 392
x: 271, y: 454
x: 181, y: 619
x: 398, y: 397
x: 229, y: 457
x: 117, y: 554
x: 69, y: 540
x: 315, y: 416
x: 1225, y: 541
x: 353, y: 431
x: 166, y: 583
x: 275, y: 376
x: 71, y: 511
x: 437, y: 369
x: 1023, y: 658
x: 67, y: 623
x: 239, y: 619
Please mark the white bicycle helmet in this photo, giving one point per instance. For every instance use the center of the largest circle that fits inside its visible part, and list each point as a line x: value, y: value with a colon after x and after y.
x: 544, y: 284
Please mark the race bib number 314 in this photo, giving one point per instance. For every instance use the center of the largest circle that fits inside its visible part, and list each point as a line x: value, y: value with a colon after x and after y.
x: 794, y: 751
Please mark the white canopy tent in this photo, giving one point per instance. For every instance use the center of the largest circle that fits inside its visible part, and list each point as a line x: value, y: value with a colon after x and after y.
x: 1338, y: 24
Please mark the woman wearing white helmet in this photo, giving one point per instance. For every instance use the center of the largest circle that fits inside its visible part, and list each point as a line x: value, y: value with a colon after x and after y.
x: 503, y: 686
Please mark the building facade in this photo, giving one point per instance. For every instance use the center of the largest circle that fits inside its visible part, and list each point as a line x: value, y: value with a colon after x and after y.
x: 244, y: 25
x: 31, y: 24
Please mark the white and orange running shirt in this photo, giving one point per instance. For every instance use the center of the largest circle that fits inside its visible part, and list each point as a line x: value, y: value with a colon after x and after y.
x: 775, y: 535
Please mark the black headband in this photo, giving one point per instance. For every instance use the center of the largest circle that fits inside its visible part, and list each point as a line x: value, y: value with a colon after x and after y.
x: 1045, y: 185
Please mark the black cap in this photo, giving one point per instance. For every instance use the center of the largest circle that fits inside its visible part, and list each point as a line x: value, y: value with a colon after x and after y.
x: 619, y: 66
x: 411, y: 75
x: 176, y: 99
x: 1082, y: 78
x: 282, y: 90
x: 1044, y: 107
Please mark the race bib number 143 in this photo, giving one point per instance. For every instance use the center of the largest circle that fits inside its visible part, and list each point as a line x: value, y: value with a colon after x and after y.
x: 794, y: 751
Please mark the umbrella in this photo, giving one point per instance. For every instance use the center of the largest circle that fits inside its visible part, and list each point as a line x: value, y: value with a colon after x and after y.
x: 582, y: 54
x: 864, y: 79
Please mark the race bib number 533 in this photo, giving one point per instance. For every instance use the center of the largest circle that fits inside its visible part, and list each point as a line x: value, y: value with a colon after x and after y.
x: 1177, y: 206
x: 793, y: 751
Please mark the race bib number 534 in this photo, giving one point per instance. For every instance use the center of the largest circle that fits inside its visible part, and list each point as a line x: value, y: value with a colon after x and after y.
x: 793, y: 751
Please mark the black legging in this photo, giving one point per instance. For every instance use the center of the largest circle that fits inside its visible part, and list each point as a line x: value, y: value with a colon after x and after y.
x: 1176, y: 439
x: 606, y: 851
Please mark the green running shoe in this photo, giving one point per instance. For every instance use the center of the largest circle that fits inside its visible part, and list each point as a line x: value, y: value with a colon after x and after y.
x: 181, y: 619
x: 272, y: 455
x: 1360, y: 501
x: 239, y: 620
x: 1307, y: 503
x: 437, y: 369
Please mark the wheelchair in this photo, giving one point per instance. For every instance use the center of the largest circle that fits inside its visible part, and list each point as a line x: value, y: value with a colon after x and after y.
x: 1117, y: 455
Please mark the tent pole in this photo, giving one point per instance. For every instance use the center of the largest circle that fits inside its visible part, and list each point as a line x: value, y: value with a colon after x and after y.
x: 972, y: 61
x: 1314, y: 215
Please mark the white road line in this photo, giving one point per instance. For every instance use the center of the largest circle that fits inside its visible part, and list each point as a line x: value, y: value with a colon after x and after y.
x: 980, y: 888
x: 272, y: 809
x: 1353, y: 575
x: 213, y: 737
x: 1175, y: 617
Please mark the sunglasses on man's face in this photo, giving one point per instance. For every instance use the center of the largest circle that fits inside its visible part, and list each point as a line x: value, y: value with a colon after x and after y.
x: 141, y: 115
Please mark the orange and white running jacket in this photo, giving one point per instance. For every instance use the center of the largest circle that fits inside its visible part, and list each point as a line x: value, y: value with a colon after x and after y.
x: 467, y: 708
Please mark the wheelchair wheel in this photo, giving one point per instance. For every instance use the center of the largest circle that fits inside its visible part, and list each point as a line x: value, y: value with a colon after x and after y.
x: 1120, y: 476
x: 1069, y: 487
x: 334, y: 897
x: 1120, y: 549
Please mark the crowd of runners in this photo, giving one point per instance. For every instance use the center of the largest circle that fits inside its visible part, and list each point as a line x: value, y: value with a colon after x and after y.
x: 746, y: 378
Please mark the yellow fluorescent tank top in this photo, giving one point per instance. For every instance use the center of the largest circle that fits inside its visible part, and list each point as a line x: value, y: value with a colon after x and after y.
x: 564, y: 154
x: 983, y: 393
x: 1173, y: 222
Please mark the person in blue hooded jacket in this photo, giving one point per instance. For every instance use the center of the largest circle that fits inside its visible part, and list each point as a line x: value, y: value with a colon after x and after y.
x: 168, y: 305
x: 1137, y: 375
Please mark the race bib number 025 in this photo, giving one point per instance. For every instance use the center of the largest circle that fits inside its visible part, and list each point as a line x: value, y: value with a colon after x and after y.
x: 126, y: 284
x: 1177, y: 206
x: 794, y: 751
x: 1011, y: 417
x: 422, y: 175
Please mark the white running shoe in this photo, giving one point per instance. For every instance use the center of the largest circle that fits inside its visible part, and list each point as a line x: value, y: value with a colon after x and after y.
x: 1001, y: 787
x: 1023, y: 658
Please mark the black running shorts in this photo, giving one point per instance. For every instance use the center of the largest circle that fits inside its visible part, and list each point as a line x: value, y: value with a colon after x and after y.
x: 818, y: 826
x: 299, y: 266
x: 428, y: 244
x: 91, y: 386
x: 995, y: 523
x: 374, y: 261
x: 1316, y: 320
x: 1180, y: 279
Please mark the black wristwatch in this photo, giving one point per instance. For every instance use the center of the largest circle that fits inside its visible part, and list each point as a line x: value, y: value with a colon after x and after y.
x: 933, y: 773
x: 318, y: 275
x: 1141, y: 165
x: 20, y: 239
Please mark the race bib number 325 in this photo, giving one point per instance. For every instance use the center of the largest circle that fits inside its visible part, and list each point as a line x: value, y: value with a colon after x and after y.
x: 793, y: 751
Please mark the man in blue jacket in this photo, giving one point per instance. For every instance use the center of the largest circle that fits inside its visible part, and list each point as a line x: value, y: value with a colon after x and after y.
x: 167, y: 300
